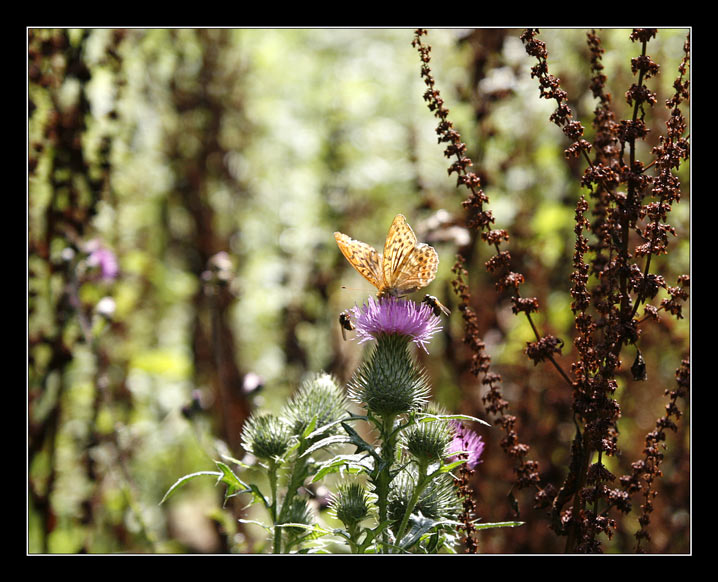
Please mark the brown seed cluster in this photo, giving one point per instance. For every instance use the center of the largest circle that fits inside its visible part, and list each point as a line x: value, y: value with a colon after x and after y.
x: 620, y: 225
x: 468, y: 507
x: 480, y: 219
x: 605, y: 314
x: 647, y: 469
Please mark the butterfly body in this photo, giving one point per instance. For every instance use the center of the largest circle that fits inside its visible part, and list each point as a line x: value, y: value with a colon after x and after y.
x: 404, y: 266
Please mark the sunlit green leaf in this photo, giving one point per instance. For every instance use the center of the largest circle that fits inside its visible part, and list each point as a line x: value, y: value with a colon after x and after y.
x: 182, y: 480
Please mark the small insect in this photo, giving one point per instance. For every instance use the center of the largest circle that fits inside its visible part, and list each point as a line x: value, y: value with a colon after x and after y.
x: 345, y: 323
x: 638, y: 368
x: 436, y: 305
x: 403, y: 267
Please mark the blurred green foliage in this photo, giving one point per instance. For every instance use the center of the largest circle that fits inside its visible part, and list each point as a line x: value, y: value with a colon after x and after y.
x: 262, y: 143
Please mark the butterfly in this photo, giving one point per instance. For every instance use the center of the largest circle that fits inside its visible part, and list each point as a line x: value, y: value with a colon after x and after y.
x: 402, y: 268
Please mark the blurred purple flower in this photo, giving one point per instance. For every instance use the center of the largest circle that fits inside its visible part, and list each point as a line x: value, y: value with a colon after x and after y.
x: 390, y: 315
x: 467, y: 441
x: 104, y: 259
x: 252, y: 382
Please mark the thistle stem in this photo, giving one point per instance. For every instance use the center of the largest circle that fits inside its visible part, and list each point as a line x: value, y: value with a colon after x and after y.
x: 296, y: 479
x: 353, y: 539
x: 277, y: 546
x: 421, y: 484
x: 383, y: 479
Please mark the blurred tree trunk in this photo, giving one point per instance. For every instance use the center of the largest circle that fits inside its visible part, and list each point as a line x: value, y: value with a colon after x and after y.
x: 55, y: 63
x: 201, y: 110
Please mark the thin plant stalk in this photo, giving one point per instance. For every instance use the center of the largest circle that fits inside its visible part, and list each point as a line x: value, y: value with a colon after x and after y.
x: 421, y: 483
x: 383, y: 480
x: 277, y: 546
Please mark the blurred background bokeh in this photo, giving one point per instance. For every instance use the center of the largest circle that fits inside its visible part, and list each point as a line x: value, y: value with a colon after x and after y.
x: 183, y: 189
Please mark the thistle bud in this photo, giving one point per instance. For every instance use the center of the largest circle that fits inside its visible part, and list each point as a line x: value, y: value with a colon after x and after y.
x: 389, y: 382
x: 266, y: 436
x: 428, y: 441
x: 299, y: 512
x: 319, y: 396
x: 350, y: 504
x: 437, y: 501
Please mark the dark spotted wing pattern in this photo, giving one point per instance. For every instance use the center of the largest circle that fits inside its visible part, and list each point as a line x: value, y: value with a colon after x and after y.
x: 405, y: 265
x: 362, y: 257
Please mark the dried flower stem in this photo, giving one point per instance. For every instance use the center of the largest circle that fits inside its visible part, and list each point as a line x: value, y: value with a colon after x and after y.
x: 600, y: 336
x: 599, y: 341
x: 468, y: 508
x: 647, y: 469
x: 479, y: 219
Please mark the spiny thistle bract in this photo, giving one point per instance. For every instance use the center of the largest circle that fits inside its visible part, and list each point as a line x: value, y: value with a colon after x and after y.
x: 299, y: 512
x: 318, y: 397
x: 429, y: 441
x: 266, y: 436
x: 350, y: 504
x: 389, y: 382
x: 437, y: 501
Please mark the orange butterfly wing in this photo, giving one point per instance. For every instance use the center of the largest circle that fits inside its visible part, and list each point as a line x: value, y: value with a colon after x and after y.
x: 362, y: 257
x: 405, y: 265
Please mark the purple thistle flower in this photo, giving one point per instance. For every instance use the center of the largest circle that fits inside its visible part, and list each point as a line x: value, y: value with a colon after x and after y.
x: 468, y: 441
x: 391, y: 315
x: 103, y: 258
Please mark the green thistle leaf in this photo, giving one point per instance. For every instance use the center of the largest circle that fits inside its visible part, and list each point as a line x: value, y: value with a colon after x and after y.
x: 182, y: 480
